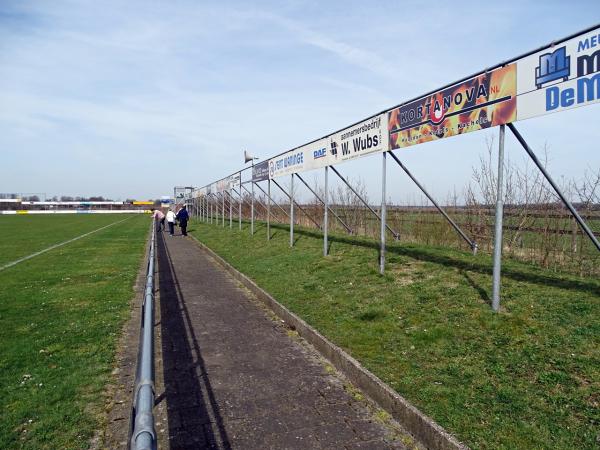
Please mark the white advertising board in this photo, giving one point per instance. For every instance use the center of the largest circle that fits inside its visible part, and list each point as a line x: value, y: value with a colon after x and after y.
x: 364, y: 138
x: 561, y: 77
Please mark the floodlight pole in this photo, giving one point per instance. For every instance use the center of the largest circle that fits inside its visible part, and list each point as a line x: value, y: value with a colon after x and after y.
x: 498, y: 228
x: 292, y: 212
x: 325, y: 221
x: 471, y: 243
x: 383, y: 213
x: 567, y: 203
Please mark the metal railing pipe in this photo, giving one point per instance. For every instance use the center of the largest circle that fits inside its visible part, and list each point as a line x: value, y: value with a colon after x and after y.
x: 144, y: 435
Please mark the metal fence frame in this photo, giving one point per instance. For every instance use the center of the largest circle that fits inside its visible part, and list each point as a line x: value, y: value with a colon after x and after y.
x: 497, y: 252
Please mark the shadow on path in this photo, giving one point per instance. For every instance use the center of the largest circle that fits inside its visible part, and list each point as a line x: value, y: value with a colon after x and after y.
x: 193, y: 413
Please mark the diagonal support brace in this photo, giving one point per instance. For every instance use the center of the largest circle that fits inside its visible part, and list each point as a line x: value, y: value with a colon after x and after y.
x: 394, y: 233
x: 328, y: 208
x: 462, y: 234
x: 299, y: 207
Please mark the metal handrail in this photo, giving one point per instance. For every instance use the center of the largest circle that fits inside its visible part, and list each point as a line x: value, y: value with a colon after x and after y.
x: 144, y: 434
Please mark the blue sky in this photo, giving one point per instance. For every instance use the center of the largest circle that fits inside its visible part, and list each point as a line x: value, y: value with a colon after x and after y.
x: 128, y: 99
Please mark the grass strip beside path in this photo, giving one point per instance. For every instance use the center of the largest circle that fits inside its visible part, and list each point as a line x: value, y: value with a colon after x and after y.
x: 526, y: 377
x: 61, y: 314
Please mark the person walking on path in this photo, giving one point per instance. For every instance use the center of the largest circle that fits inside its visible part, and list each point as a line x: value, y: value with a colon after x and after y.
x: 160, y: 218
x: 171, y: 221
x: 182, y: 218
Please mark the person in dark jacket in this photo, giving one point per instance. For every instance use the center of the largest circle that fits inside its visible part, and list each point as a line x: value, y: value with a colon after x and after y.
x: 182, y: 218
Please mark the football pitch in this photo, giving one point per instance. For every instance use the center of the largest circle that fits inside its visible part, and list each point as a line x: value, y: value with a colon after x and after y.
x: 61, y: 312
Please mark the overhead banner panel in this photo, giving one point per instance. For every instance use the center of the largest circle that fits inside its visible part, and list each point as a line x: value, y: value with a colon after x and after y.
x: 364, y: 138
x: 260, y: 172
x: 561, y: 77
x: 484, y: 101
x: 234, y: 181
x: 359, y: 140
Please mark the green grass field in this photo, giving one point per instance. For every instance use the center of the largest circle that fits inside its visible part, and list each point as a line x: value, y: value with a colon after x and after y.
x: 61, y: 314
x: 527, y: 377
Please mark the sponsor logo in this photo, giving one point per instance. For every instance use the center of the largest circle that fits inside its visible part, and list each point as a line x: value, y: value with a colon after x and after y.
x: 364, y: 143
x: 320, y: 153
x: 333, y: 148
x: 289, y: 161
x: 553, y: 66
x: 586, y: 90
x: 434, y: 111
x: 361, y: 138
x: 556, y: 65
x: 588, y: 43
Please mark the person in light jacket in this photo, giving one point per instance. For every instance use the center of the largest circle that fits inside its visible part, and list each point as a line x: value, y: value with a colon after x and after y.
x: 160, y: 219
x: 182, y: 218
x: 171, y: 222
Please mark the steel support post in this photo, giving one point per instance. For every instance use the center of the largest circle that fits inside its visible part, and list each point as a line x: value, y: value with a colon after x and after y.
x: 325, y: 209
x: 268, y: 210
x: 240, y: 205
x: 395, y: 233
x: 462, y: 234
x: 223, y: 209
x: 498, y: 227
x: 252, y: 211
x: 383, y: 214
x: 348, y: 229
x: 299, y: 207
x: 271, y: 198
x: 566, y: 202
x: 230, y: 212
x: 292, y: 212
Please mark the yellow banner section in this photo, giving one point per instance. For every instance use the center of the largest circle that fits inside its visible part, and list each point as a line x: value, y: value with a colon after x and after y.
x: 22, y: 211
x: 143, y: 203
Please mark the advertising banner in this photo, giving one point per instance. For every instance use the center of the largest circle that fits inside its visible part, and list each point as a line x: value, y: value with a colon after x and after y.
x: 200, y: 192
x: 561, y: 77
x: 315, y: 155
x: 288, y: 163
x: 260, y: 172
x: 233, y: 181
x: 222, y: 185
x: 484, y: 101
x: 362, y: 139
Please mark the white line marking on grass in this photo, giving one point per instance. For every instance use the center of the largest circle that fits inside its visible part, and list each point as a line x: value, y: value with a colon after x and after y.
x: 25, y: 258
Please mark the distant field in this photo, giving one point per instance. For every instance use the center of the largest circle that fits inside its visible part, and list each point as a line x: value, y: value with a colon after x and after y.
x: 23, y: 235
x: 527, y: 377
x: 61, y: 314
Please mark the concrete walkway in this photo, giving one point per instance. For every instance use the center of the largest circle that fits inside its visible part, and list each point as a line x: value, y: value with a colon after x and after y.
x: 235, y: 378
